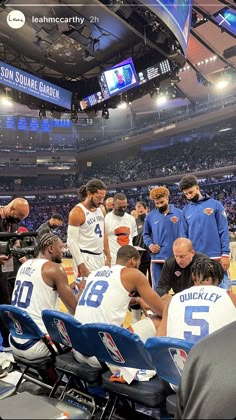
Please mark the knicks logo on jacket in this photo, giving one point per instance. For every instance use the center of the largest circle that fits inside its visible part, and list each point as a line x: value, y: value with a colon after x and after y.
x: 208, y: 211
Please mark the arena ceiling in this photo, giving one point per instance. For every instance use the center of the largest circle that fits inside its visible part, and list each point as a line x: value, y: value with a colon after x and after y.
x: 74, y: 57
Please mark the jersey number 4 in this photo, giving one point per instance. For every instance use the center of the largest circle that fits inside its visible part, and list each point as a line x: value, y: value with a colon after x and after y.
x: 98, y: 231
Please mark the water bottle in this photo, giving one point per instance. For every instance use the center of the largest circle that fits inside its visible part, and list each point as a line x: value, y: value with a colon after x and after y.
x: 226, y: 283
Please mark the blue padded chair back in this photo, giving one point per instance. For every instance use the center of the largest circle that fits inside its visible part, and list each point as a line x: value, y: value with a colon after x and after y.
x: 115, y: 345
x: 62, y: 328
x: 168, y: 356
x: 20, y: 323
x: 108, y: 343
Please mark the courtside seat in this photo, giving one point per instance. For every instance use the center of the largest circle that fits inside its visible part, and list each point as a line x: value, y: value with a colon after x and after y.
x: 67, y: 363
x: 20, y: 324
x: 150, y: 393
x: 82, y: 378
x: 120, y: 347
x: 168, y: 356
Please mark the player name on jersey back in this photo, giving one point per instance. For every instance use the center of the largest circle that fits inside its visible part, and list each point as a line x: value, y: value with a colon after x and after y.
x: 199, y: 295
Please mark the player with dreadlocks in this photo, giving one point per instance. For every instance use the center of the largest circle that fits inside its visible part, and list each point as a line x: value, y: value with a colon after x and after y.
x: 203, y: 308
x: 86, y: 237
x: 39, y: 283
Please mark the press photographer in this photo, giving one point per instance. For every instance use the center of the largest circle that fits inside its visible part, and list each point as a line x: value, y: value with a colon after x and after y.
x: 21, y: 246
x: 10, y: 217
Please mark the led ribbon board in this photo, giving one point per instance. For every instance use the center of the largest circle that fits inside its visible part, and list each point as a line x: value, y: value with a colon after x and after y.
x: 25, y: 82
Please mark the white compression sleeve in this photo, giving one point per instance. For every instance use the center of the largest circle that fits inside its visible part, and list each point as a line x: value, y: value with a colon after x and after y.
x: 73, y: 245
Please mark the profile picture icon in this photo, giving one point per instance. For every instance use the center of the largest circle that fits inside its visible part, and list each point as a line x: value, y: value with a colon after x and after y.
x: 15, y: 19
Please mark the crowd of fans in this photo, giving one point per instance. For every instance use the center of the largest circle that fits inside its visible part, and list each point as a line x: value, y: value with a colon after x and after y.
x: 180, y: 158
x: 163, y: 120
x: 203, y: 153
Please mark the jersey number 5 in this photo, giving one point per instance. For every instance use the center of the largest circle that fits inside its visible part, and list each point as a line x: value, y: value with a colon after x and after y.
x: 199, y: 322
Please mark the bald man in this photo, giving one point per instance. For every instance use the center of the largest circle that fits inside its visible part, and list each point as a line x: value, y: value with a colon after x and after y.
x: 109, y: 204
x: 176, y: 272
x: 10, y: 216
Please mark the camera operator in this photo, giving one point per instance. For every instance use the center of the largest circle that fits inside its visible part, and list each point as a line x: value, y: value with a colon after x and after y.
x: 22, y: 249
x: 10, y: 217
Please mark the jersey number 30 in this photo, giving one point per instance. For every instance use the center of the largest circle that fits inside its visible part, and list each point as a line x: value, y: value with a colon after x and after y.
x: 22, y: 294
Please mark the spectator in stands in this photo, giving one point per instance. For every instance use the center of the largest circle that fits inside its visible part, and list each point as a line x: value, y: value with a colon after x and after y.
x: 176, y: 272
x: 120, y: 226
x: 162, y: 226
x: 202, y: 309
x: 205, y: 222
x: 207, y: 387
x: 55, y: 221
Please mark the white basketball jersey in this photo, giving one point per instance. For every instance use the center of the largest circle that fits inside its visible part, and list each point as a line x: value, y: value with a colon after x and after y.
x: 104, y: 298
x: 120, y: 231
x: 31, y: 293
x: 199, y: 311
x: 91, y: 232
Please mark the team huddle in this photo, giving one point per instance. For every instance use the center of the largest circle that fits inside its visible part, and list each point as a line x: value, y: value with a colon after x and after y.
x: 189, y: 253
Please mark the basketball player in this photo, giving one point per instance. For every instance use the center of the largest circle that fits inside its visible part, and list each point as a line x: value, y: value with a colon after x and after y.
x: 162, y: 226
x: 205, y: 222
x: 86, y: 234
x: 109, y: 291
x: 120, y: 226
x: 39, y: 283
x: 203, y: 308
